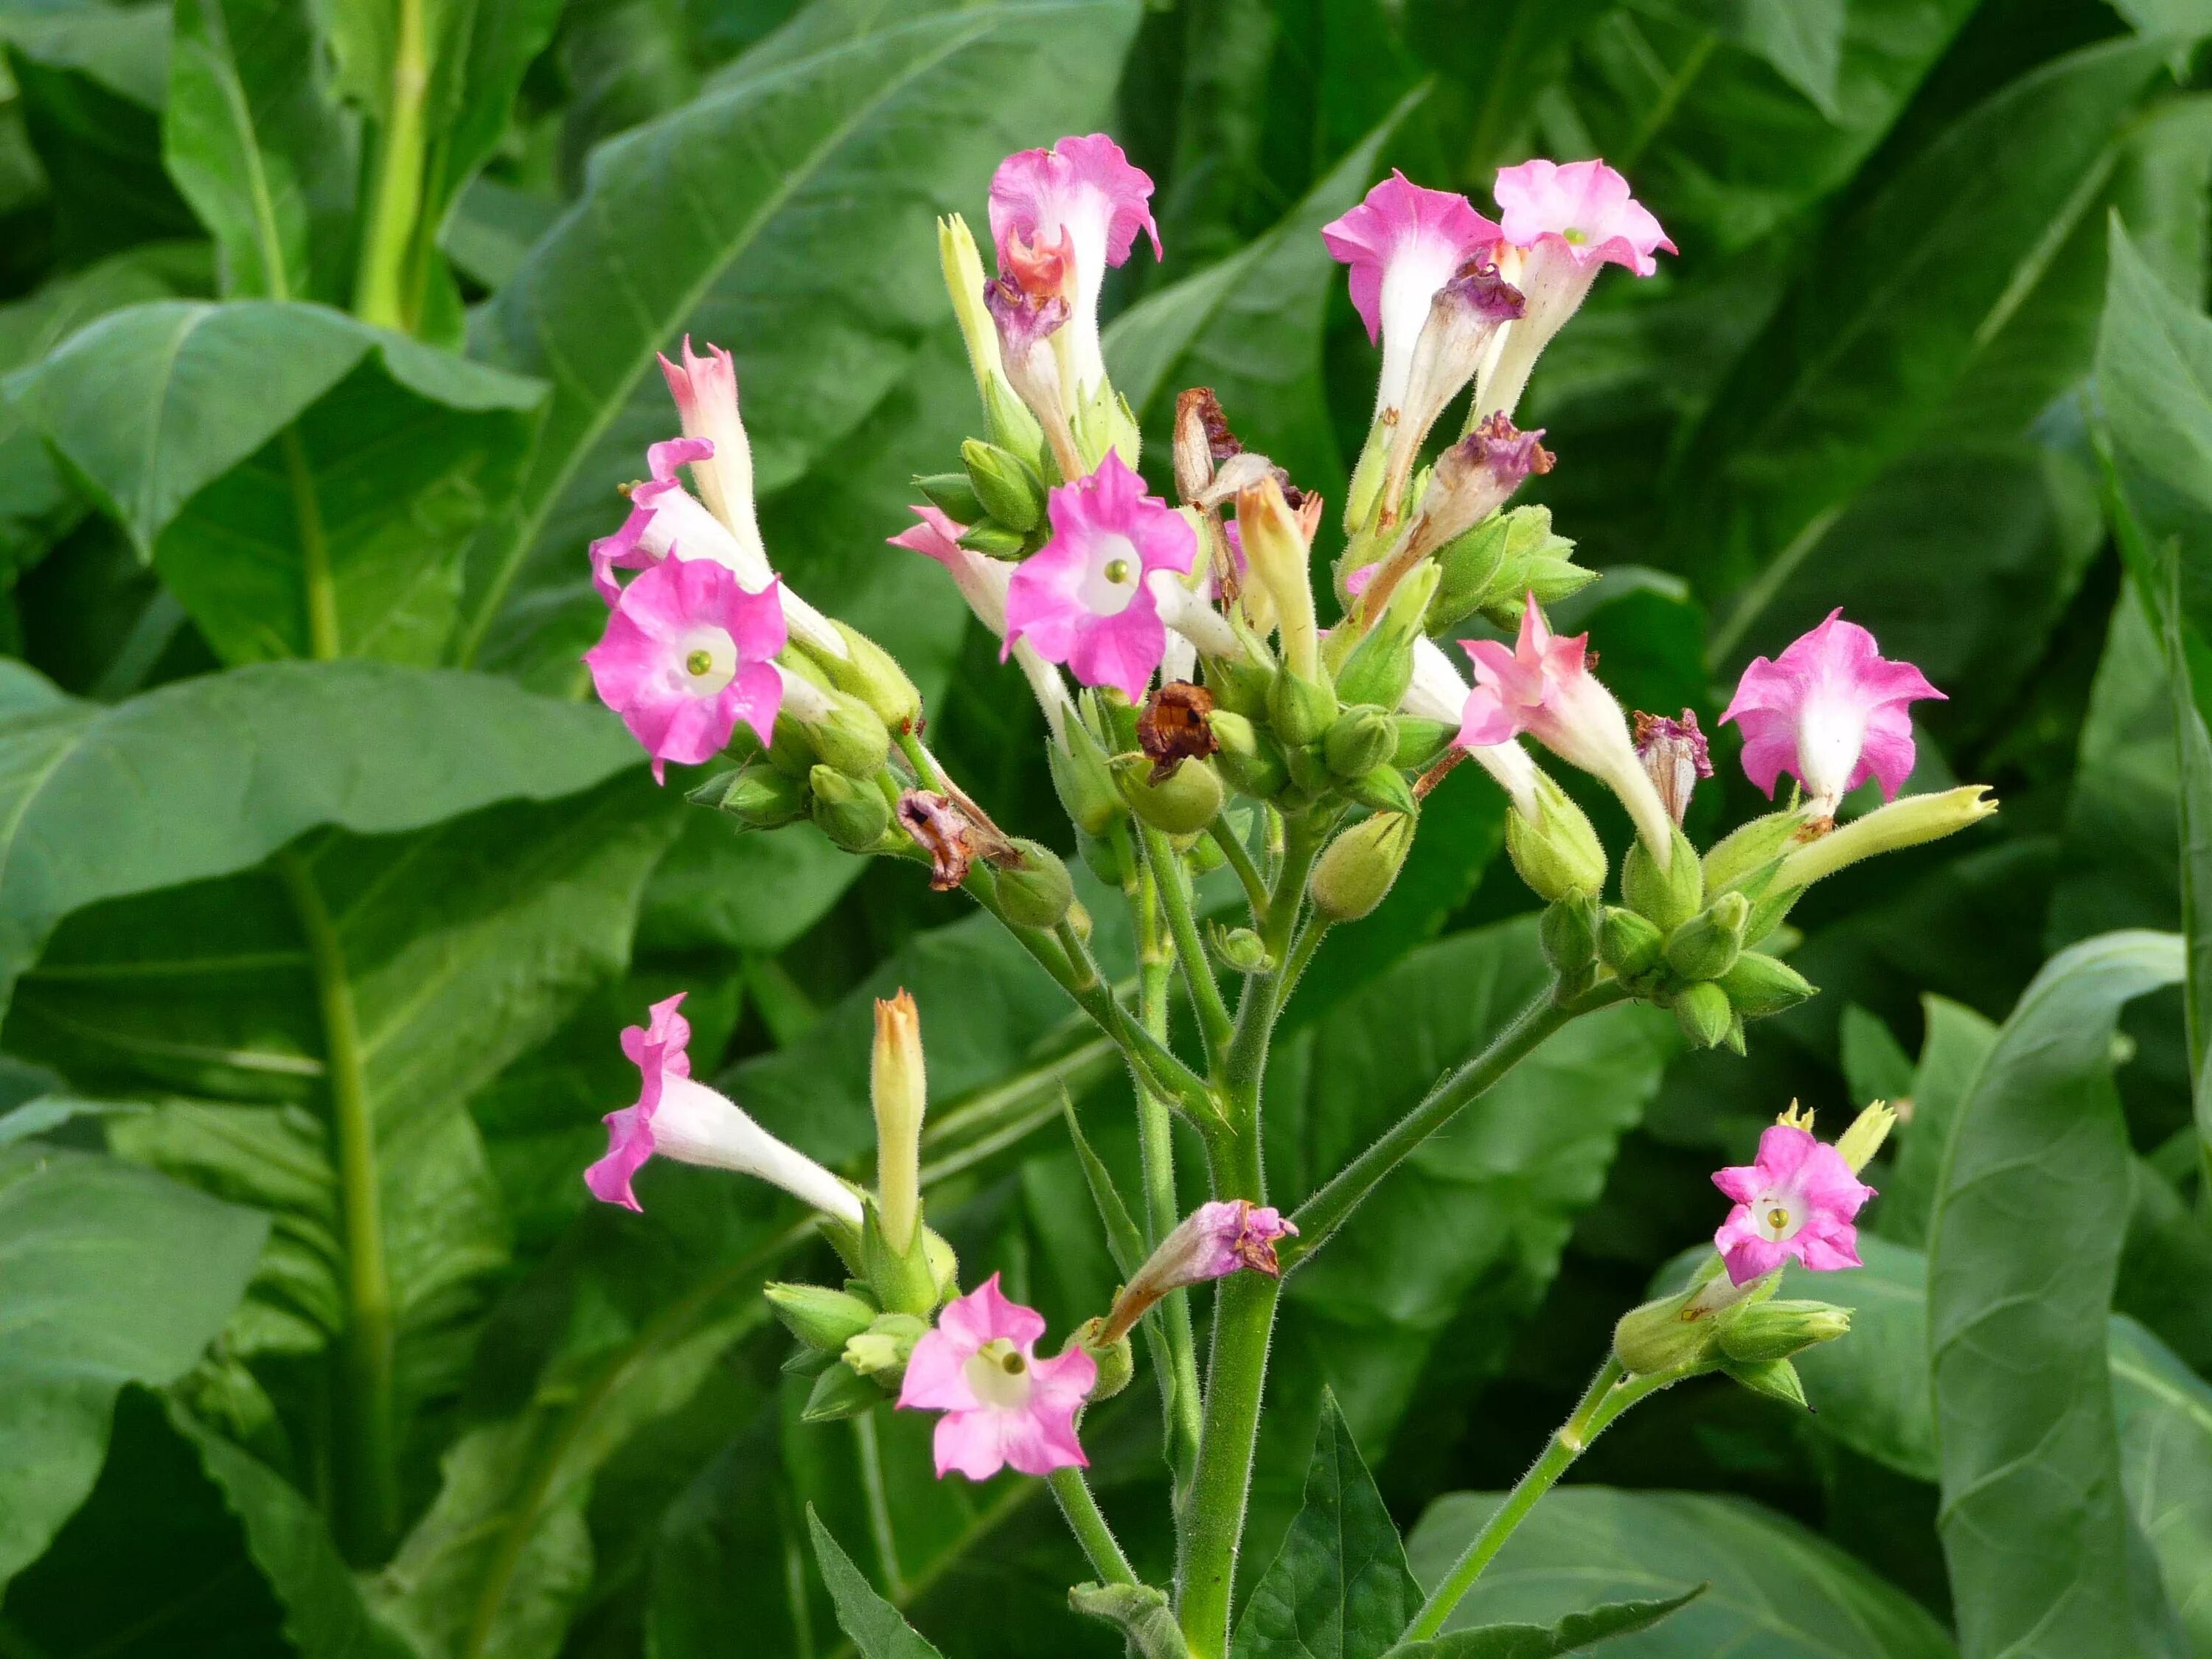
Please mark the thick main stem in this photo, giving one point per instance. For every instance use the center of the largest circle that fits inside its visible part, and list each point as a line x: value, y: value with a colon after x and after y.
x: 379, y: 290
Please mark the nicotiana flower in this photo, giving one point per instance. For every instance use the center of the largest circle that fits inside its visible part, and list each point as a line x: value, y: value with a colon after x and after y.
x: 1831, y: 712
x: 688, y: 653
x: 1003, y: 1406
x: 1798, y: 1199
x: 1542, y: 685
x: 983, y: 581
x: 1060, y: 217
x: 706, y: 393
x: 1403, y: 243
x: 1212, y: 1241
x: 1473, y: 479
x: 1462, y: 329
x: 1084, y: 597
x: 1029, y: 326
x: 1562, y: 224
x: 1437, y: 693
x: 1675, y: 755
x: 675, y: 1117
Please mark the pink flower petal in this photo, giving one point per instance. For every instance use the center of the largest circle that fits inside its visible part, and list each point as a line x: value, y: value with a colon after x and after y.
x: 1583, y: 207
x: 936, y: 1374
x: 986, y: 1314
x: 1404, y: 230
x: 1831, y: 711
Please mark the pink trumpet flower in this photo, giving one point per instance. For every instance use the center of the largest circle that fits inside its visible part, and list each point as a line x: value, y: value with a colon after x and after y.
x: 1212, y: 1241
x: 1796, y: 1200
x: 706, y: 393
x: 1403, y: 243
x: 1831, y: 711
x: 675, y: 1117
x: 688, y: 653
x: 1002, y: 1405
x: 1542, y: 685
x: 1084, y: 599
x: 1566, y: 223
x: 983, y: 581
x: 1059, y: 217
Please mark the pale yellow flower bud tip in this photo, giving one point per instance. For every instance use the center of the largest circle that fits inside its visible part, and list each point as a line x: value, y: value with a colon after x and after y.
x: 1864, y: 1139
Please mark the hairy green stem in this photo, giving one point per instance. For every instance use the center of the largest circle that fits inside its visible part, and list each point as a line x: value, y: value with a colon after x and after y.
x: 379, y: 290
x: 1088, y: 1522
x: 1168, y: 878
x: 880, y: 1527
x: 1325, y: 1212
x: 1239, y: 859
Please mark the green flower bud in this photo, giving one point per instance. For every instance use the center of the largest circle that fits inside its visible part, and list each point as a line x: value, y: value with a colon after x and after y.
x: 1384, y: 789
x: 1568, y: 933
x: 1751, y: 847
x: 1204, y: 853
x: 1559, y: 855
x: 1704, y: 1013
x: 1308, y: 769
x: 1364, y: 737
x: 1248, y: 757
x: 1667, y: 897
x: 851, y: 812
x: 873, y: 675
x: 1755, y: 1332
x: 1239, y: 949
x: 1775, y: 1378
x: 1421, y: 744
x: 757, y: 796
x: 952, y: 494
x: 818, y: 1317
x: 880, y: 1353
x: 1036, y: 892
x: 839, y: 1393
x: 993, y: 540
x: 1301, y: 710
x: 1911, y: 821
x: 1705, y: 946
x: 1082, y: 781
x: 1663, y: 1335
x: 1357, y: 869
x: 851, y: 736
x: 1467, y: 567
x: 1239, y: 688
x: 1380, y: 666
x: 1630, y: 945
x: 1552, y: 578
x: 1116, y: 1360
x: 1008, y: 487
x: 1757, y: 985
x: 1181, y: 804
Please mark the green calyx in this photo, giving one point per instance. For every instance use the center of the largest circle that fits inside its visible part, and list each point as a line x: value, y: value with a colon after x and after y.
x: 758, y: 795
x: 1359, y: 868
x: 1007, y: 487
x: 851, y: 812
x: 1666, y: 898
x: 1035, y: 888
x: 1706, y: 945
x: 1181, y: 804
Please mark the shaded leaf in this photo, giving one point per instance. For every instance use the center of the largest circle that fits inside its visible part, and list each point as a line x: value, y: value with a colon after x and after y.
x: 1576, y: 1632
x: 872, y: 1623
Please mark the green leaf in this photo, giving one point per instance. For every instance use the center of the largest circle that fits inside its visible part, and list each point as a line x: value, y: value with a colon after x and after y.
x: 1340, y: 1587
x: 784, y: 212
x: 115, y: 1275
x: 1467, y: 1234
x: 213, y: 774
x: 306, y: 484
x: 2023, y: 1250
x: 1802, y: 39
x: 2164, y: 1412
x: 1576, y: 1632
x: 1958, y: 1041
x: 873, y: 1623
x: 255, y: 144
x: 1777, y: 1590
x: 1251, y: 327
x: 1893, y: 308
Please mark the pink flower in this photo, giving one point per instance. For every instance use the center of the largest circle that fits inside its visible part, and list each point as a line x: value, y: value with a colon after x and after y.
x: 663, y: 518
x: 675, y: 1117
x: 1002, y: 1404
x: 706, y: 393
x: 1059, y: 217
x: 1212, y: 1241
x: 686, y: 655
x: 1566, y: 223
x: 1831, y: 712
x: 983, y: 581
x: 1084, y: 599
x: 1403, y: 243
x: 1542, y: 685
x: 1437, y: 693
x: 1797, y: 1200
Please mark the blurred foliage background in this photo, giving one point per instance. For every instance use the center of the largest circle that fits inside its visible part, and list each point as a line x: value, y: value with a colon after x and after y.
x: 308, y: 828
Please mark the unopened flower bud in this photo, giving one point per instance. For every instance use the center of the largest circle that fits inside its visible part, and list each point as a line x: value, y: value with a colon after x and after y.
x: 1629, y: 944
x: 1383, y: 789
x: 1363, y: 738
x: 1239, y: 949
x: 1276, y: 545
x: 953, y: 495
x: 1557, y: 852
x: 839, y: 1393
x: 1380, y: 668
x: 1181, y: 804
x: 1705, y: 946
x: 1547, y: 577
x: 1704, y: 1013
x: 1757, y: 985
x: 1081, y: 779
x: 1358, y: 871
x: 1174, y: 725
x: 820, y: 1318
x: 851, y: 812
x: 1005, y: 483
x: 1667, y: 897
x: 1114, y: 1357
x: 1301, y: 710
x: 1248, y: 757
x: 1035, y: 890
x: 1754, y: 1333
x: 1675, y: 755
x: 757, y: 796
x: 1422, y: 743
x: 1660, y: 1335
x: 880, y: 1353
x: 1908, y: 822
x: 873, y: 675
x: 842, y: 731
x: 898, y: 1088
x: 993, y: 540
x: 1775, y: 1378
x: 1568, y: 932
x: 1858, y: 1144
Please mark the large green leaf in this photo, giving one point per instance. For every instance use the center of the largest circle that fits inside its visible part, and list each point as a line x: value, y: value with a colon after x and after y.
x: 1778, y: 1591
x: 1572, y: 1634
x: 2022, y: 1254
x: 115, y: 1275
x: 306, y: 484
x: 1411, y: 1305
x: 1250, y: 326
x: 1958, y: 1041
x: 256, y: 145
x: 213, y: 774
x: 1892, y: 308
x: 1340, y: 1587
x: 786, y: 213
